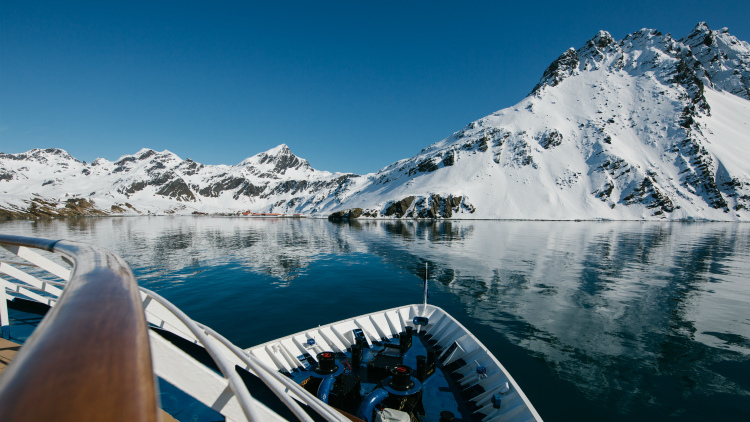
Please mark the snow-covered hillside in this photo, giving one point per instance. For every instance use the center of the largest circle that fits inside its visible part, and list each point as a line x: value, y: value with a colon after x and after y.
x: 51, y: 182
x: 645, y: 128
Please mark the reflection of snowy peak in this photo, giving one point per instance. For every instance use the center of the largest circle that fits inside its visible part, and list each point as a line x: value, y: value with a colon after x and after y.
x: 647, y: 127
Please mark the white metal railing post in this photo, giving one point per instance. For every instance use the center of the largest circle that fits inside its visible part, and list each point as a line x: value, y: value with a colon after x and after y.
x: 4, y: 320
x: 203, y: 333
x: 235, y: 383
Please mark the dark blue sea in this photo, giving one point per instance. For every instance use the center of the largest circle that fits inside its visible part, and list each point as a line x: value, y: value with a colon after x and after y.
x: 616, y: 321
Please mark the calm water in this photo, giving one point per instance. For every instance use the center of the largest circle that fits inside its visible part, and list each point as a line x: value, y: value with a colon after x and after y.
x: 607, y: 321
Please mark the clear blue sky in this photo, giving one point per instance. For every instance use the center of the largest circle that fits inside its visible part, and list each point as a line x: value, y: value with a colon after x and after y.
x: 351, y: 86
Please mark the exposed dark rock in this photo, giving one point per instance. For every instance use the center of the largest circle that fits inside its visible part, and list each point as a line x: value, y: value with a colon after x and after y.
x: 615, y: 167
x: 551, y: 139
x: 125, y: 160
x: 686, y: 76
x: 158, y: 165
x: 337, y: 216
x: 522, y: 153
x: 734, y: 188
x: 40, y: 155
x: 290, y: 186
x: 482, y: 145
x: 177, y: 189
x: 227, y: 183
x: 249, y: 190
x: 399, y: 208
x: 498, y: 140
x: 42, y: 207
x: 605, y: 192
x: 699, y: 172
x: 438, y: 207
x: 190, y: 167
x: 649, y: 194
x: 479, y: 144
x: 14, y: 157
x: 147, y: 154
x: 602, y: 39
x: 12, y: 215
x: 450, y: 158
x: 427, y: 165
x: 709, y: 40
x: 57, y: 151
x: 172, y: 186
x: 596, y: 47
x: 346, y: 214
x: 496, y: 136
x: 560, y: 69
x: 135, y: 187
x: 164, y: 178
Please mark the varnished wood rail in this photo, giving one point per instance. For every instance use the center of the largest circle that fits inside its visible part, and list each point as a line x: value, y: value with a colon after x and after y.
x: 89, y: 359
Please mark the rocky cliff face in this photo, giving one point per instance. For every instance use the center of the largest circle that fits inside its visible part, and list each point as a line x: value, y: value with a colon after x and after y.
x: 648, y: 127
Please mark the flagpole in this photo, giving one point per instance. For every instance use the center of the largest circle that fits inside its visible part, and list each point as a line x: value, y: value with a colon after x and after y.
x: 426, y: 289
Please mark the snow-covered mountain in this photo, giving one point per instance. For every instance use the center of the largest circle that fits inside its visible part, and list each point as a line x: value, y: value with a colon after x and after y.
x: 648, y: 127
x: 51, y: 182
x: 645, y: 128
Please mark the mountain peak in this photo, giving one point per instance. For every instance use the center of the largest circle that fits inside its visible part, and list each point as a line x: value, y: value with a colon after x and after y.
x: 265, y: 156
x: 281, y: 149
x: 146, y: 153
x: 564, y: 66
x: 602, y: 39
x: 277, y: 159
x: 701, y: 34
x: 43, y: 154
x: 701, y: 27
x: 724, y: 61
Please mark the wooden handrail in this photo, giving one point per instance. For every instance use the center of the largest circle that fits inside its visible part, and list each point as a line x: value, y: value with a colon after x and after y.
x: 89, y: 359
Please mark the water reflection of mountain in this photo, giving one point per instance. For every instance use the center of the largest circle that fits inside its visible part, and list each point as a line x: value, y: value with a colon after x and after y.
x: 614, y: 308
x: 630, y: 314
x: 159, y: 247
